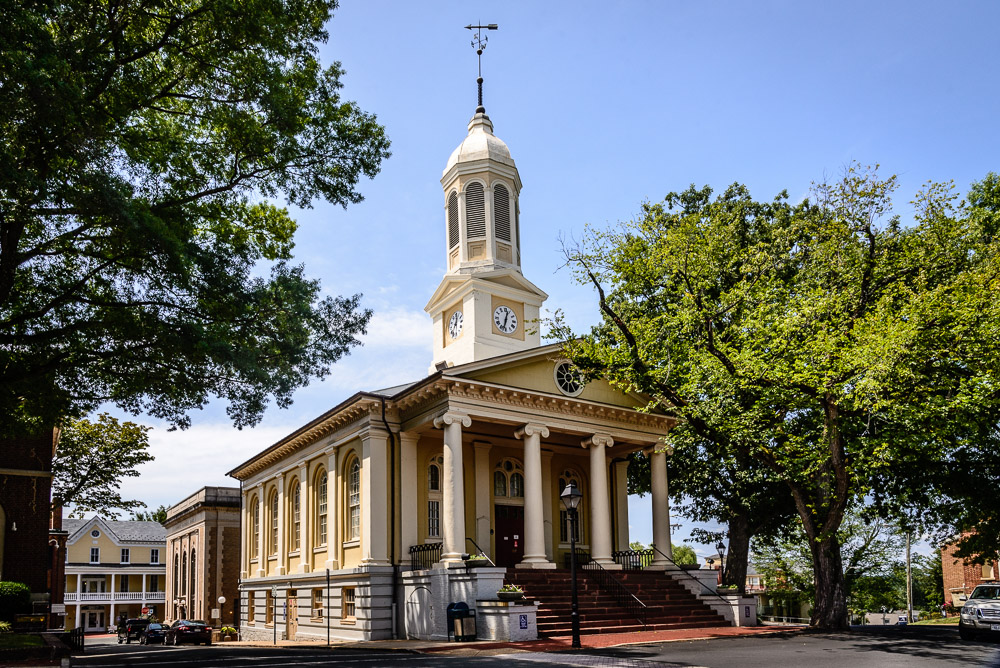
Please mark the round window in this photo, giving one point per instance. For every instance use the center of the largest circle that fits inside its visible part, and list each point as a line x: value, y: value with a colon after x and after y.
x: 95, y: 533
x: 568, y: 379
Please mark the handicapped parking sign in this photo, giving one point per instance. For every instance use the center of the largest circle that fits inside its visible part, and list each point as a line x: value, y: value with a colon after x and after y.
x: 523, y: 621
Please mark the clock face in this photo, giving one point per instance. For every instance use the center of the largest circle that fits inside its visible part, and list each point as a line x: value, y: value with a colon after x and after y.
x: 505, y: 319
x: 455, y: 324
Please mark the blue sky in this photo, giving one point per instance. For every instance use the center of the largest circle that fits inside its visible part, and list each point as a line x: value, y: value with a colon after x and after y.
x: 604, y: 106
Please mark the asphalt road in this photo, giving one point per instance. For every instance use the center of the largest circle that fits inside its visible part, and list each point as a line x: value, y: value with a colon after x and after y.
x: 872, y: 647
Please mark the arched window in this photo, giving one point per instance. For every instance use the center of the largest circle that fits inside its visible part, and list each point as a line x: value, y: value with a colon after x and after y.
x: 321, y: 510
x: 501, y: 212
x: 255, y: 522
x: 434, y: 496
x: 296, y: 540
x: 273, y: 547
x: 475, y: 211
x: 508, y: 479
x: 184, y: 572
x: 567, y: 476
x: 453, y: 220
x: 177, y: 575
x: 354, y: 499
x: 194, y: 575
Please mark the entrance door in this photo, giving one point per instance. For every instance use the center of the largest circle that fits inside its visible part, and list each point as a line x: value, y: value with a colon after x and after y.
x: 292, y: 616
x: 94, y: 621
x: 508, y: 534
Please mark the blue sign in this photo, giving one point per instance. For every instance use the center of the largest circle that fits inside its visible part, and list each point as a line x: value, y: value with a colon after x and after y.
x: 524, y: 621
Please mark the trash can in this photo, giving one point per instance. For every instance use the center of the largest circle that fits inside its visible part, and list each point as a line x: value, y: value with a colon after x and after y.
x: 461, y: 622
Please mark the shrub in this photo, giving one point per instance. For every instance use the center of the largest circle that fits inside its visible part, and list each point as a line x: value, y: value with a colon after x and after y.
x: 15, y: 598
x: 5, y: 627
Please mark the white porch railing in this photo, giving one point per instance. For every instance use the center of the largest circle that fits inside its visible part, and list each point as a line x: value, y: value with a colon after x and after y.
x: 109, y: 597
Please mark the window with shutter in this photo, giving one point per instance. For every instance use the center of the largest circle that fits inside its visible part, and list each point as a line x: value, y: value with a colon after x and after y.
x: 475, y: 211
x: 453, y: 220
x: 501, y: 212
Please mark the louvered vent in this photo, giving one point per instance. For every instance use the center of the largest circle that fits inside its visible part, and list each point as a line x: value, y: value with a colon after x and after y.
x: 453, y: 220
x: 517, y: 231
x: 475, y: 211
x: 501, y: 212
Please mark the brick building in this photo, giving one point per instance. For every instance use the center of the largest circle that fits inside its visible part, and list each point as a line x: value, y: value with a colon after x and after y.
x: 962, y: 576
x: 203, y: 548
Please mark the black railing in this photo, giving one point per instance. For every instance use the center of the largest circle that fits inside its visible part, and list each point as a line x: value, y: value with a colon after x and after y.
x: 482, y: 552
x: 582, y: 558
x: 677, y: 570
x: 633, y: 560
x: 612, y: 585
x: 425, y: 556
x: 74, y: 639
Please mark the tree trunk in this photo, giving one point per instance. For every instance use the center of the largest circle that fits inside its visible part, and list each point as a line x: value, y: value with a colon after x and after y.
x: 735, y: 573
x: 830, y: 611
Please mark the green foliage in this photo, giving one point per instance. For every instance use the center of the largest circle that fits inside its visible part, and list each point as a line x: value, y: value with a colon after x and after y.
x: 158, y: 515
x: 5, y: 627
x: 927, y: 573
x: 849, y: 355
x: 146, y: 147
x: 90, y: 462
x: 684, y: 555
x: 15, y: 599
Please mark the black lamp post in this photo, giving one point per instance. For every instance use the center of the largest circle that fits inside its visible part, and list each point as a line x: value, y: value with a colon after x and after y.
x: 570, y: 498
x: 721, y: 547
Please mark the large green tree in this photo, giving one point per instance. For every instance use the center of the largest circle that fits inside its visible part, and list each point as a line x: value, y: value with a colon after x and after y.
x: 824, y: 339
x: 145, y: 148
x: 92, y: 459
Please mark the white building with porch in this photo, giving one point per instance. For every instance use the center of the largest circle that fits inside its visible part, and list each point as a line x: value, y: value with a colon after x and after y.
x: 357, y: 523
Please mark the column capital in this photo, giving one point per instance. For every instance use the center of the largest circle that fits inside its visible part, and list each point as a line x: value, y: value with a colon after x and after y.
x: 482, y: 446
x: 658, y: 448
x: 600, y: 440
x: 409, y: 437
x: 531, y: 429
x: 452, y: 417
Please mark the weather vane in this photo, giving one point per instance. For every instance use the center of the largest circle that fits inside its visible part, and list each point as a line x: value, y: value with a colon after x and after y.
x: 479, y: 44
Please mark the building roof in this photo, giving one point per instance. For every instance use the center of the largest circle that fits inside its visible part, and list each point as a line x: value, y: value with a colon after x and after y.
x: 480, y: 144
x: 127, y: 531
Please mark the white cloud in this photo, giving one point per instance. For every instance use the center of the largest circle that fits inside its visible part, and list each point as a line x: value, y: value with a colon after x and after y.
x: 399, y: 327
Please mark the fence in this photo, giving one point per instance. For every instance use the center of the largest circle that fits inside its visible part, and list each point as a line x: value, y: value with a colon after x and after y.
x: 423, y: 557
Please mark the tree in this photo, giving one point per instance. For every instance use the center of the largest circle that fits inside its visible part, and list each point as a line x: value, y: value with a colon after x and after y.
x: 158, y: 515
x: 684, y: 555
x: 824, y: 340
x: 928, y: 581
x: 143, y: 259
x: 91, y: 460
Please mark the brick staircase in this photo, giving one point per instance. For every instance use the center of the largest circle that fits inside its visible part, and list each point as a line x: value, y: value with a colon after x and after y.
x: 669, y: 604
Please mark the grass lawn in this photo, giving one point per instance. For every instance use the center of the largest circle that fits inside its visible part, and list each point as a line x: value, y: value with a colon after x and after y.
x: 17, y: 641
x: 948, y: 621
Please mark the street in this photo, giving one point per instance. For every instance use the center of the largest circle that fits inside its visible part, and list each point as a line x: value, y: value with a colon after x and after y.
x: 868, y: 647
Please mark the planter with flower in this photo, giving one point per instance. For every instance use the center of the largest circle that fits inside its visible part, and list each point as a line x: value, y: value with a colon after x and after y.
x: 476, y: 561
x: 510, y: 592
x: 227, y: 632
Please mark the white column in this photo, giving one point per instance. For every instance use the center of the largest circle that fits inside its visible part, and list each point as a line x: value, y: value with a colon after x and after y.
x: 143, y: 576
x: 600, y: 506
x: 453, y: 487
x: 547, y: 501
x: 374, y: 497
x: 280, y: 569
x: 261, y: 532
x: 620, y: 472
x: 332, y: 545
x: 483, y: 486
x: 79, y: 590
x: 305, y: 507
x: 661, y: 507
x: 246, y: 535
x: 534, y: 522
x: 408, y: 489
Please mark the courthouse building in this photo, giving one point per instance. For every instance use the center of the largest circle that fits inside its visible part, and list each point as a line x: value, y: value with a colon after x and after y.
x: 472, y: 457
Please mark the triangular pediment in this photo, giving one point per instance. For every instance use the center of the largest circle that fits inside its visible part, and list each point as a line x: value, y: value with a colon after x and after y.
x: 499, y: 280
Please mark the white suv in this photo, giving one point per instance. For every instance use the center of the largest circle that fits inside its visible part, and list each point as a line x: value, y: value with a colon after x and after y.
x: 981, y: 611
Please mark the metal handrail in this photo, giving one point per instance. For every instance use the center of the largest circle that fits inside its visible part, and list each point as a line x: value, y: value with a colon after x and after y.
x: 633, y: 560
x: 481, y: 551
x: 678, y: 569
x: 424, y: 556
x: 616, y: 587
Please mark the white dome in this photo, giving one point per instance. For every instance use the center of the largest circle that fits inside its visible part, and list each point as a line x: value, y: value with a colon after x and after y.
x: 480, y: 144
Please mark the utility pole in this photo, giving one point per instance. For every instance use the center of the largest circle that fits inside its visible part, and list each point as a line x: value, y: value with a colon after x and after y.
x: 909, y: 583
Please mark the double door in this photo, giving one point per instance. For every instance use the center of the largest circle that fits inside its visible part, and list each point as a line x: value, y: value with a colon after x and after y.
x: 508, y: 538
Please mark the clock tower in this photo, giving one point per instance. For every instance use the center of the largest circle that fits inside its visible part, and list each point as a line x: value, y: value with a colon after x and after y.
x: 483, y: 307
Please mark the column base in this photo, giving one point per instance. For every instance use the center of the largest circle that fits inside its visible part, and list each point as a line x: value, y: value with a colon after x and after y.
x: 332, y: 564
x: 304, y: 568
x: 537, y: 563
x: 662, y: 566
x: 261, y: 573
x: 609, y: 565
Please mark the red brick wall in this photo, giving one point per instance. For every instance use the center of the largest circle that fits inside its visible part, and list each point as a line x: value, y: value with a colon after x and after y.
x: 959, y: 574
x: 25, y: 500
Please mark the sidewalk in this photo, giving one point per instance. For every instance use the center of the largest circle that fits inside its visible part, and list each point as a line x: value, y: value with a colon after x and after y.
x: 561, y: 643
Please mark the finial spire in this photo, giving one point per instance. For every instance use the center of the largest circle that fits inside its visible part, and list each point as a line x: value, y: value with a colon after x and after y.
x: 479, y: 44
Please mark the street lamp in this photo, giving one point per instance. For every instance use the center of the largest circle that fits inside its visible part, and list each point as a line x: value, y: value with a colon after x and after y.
x: 222, y: 612
x: 570, y: 498
x: 721, y: 547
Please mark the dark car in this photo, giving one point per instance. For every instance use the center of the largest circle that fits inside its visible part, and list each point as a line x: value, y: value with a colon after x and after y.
x: 186, y: 630
x: 131, y: 630
x: 152, y: 634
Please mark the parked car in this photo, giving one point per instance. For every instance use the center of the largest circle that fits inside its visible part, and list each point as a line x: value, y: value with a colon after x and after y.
x: 187, y: 630
x: 131, y: 630
x: 152, y: 634
x: 981, y: 612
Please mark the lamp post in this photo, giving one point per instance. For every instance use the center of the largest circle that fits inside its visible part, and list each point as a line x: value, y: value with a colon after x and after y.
x: 721, y: 547
x: 222, y: 612
x: 570, y: 498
